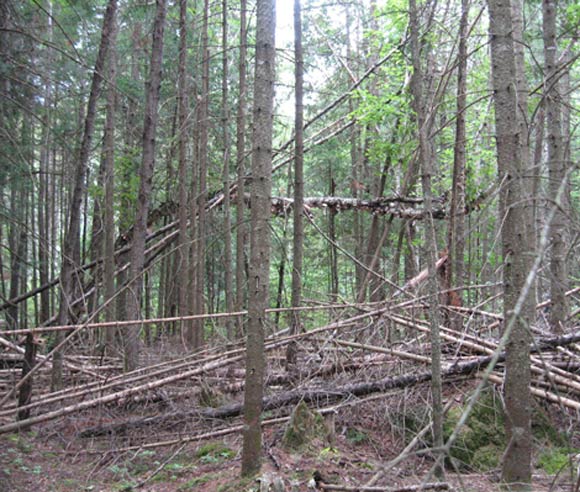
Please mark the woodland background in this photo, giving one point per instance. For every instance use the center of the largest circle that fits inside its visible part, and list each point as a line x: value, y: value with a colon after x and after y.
x: 414, y: 161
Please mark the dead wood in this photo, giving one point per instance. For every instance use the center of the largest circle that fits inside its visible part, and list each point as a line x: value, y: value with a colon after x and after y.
x: 315, y: 396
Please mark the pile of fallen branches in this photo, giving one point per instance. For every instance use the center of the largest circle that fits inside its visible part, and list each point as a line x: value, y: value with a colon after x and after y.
x: 335, y: 369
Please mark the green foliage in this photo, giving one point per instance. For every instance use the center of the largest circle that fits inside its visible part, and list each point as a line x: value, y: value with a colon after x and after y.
x: 572, y: 16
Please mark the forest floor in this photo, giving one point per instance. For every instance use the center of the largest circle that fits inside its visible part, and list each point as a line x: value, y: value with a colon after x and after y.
x: 48, y: 460
x: 175, y: 425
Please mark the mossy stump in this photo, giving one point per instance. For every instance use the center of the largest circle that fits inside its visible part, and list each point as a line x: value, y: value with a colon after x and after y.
x: 304, y: 427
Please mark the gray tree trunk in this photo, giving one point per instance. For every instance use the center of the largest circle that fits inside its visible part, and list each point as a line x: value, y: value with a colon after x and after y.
x: 71, y: 245
x: 456, y: 239
x: 261, y: 190
x: 137, y: 253
x: 228, y: 273
x: 109, y: 199
x: 298, y: 237
x: 556, y: 167
x: 182, y: 257
x: 240, y: 165
x: 516, y: 465
x: 426, y: 158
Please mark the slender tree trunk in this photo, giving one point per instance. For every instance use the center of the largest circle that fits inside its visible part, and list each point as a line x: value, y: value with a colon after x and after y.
x: 137, y: 253
x: 523, y: 122
x: 426, y: 158
x: 130, y: 142
x: 228, y: 273
x: 240, y: 159
x: 182, y: 256
x: 203, y: 127
x: 456, y: 239
x: 556, y: 167
x: 260, y: 237
x: 44, y: 243
x: 109, y: 199
x: 516, y: 470
x: 71, y: 248
x: 536, y: 176
x: 298, y: 211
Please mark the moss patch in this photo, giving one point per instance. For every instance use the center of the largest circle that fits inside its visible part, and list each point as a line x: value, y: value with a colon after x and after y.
x: 481, y: 440
x: 214, y: 452
x: 556, y: 460
x: 304, y: 426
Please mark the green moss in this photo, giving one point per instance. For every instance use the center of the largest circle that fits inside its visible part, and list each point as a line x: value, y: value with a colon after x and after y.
x: 304, y: 426
x: 481, y: 440
x: 556, y: 459
x: 214, y: 452
x: 487, y: 457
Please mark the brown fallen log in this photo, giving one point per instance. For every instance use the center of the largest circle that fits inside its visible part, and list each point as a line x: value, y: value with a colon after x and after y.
x: 317, y: 396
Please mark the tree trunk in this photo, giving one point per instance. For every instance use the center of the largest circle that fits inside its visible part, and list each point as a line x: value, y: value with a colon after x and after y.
x: 203, y: 128
x: 182, y: 256
x: 556, y: 167
x: 456, y: 239
x: 71, y: 248
x: 109, y: 199
x: 424, y: 122
x: 261, y: 189
x: 240, y: 165
x: 298, y: 212
x: 137, y: 253
x: 228, y: 273
x: 516, y: 470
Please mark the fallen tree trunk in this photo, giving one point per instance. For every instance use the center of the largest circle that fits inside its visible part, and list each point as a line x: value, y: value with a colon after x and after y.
x: 318, y: 396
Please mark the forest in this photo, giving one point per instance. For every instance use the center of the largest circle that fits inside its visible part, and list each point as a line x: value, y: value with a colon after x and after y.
x: 289, y: 245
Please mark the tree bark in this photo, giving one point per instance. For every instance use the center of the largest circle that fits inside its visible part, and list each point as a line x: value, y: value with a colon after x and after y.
x: 260, y: 236
x: 182, y: 257
x: 201, y: 197
x: 424, y: 121
x: 516, y: 469
x: 556, y: 167
x: 240, y: 165
x: 298, y: 211
x: 137, y: 253
x: 71, y: 248
x: 456, y: 239
x: 228, y: 273
x: 109, y: 199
